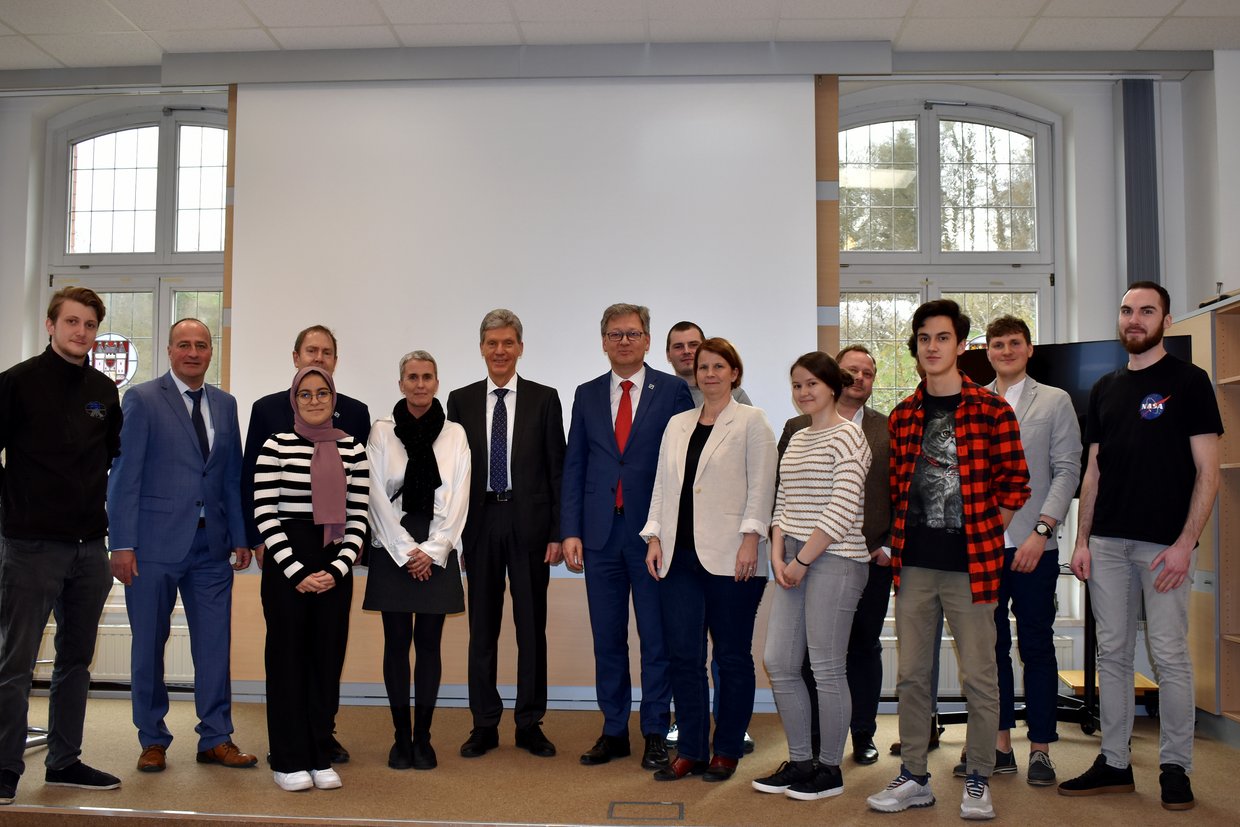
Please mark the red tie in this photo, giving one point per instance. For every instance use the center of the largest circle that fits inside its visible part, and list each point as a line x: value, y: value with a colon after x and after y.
x: 624, y: 424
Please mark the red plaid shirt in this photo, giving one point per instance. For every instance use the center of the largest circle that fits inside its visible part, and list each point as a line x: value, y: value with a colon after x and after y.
x: 993, y: 475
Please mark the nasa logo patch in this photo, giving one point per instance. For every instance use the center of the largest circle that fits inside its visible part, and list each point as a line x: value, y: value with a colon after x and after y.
x: 1153, y: 406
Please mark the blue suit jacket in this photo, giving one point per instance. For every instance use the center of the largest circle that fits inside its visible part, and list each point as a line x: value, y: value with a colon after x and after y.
x: 160, y: 482
x: 593, y: 464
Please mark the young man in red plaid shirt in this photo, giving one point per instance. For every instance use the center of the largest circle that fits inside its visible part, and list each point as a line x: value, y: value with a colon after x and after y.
x: 958, y: 475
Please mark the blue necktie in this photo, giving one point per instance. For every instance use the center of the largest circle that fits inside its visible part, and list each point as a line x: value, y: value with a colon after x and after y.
x: 499, y: 443
x: 200, y: 424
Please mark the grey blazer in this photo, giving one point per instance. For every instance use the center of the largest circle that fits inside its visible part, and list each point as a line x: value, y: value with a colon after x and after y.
x: 1051, y: 436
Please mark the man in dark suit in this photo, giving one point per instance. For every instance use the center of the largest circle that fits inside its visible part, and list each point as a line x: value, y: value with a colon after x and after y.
x: 174, y: 511
x: 865, y: 650
x: 613, y: 450
x: 314, y: 347
x: 515, y: 429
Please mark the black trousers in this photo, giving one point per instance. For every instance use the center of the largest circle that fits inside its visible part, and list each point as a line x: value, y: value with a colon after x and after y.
x: 864, y: 663
x: 497, y: 556
x: 306, y: 636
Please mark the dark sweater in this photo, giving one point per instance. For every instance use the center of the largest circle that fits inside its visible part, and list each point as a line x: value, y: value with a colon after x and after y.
x: 60, y: 428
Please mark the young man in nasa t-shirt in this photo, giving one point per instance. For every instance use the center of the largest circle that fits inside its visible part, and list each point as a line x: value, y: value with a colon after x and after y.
x: 1152, y: 431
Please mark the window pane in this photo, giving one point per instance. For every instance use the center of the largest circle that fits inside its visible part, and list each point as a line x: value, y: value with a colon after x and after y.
x: 201, y: 165
x: 109, y: 177
x: 124, y: 347
x: 984, y: 307
x: 207, y: 307
x: 878, y: 170
x: 984, y: 170
x: 880, y: 321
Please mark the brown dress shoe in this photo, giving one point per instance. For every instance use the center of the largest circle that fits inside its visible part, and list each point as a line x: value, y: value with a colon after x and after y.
x: 153, y: 759
x: 227, y: 754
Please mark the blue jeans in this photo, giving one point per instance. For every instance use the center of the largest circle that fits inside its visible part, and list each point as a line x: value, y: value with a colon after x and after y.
x: 1119, y: 575
x: 1032, y: 596
x: 696, y: 602
x: 816, y: 617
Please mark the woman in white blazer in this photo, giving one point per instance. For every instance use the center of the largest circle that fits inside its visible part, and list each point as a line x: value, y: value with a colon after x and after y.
x: 706, y: 531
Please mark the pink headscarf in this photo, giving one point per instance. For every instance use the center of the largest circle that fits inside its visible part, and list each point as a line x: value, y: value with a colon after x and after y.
x: 327, y: 477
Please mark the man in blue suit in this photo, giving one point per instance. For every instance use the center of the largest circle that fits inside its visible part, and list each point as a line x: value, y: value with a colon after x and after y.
x: 613, y: 451
x: 174, y: 509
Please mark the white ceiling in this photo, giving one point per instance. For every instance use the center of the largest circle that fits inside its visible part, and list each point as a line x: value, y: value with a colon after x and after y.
x: 55, y: 34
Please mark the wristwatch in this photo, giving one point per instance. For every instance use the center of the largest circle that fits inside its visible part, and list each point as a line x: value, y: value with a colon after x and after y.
x: 1043, y: 528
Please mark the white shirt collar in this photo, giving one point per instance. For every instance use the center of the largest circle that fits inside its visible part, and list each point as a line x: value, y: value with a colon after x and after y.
x: 511, y: 386
x: 638, y: 379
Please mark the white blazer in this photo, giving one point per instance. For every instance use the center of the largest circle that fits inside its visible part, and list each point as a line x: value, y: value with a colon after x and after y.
x: 733, y: 491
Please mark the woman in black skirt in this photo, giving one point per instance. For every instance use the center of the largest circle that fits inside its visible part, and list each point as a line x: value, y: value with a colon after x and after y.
x: 310, y: 502
x: 419, y: 471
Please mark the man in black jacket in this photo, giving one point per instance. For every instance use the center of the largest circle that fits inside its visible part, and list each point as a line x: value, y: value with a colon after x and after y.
x: 272, y: 414
x: 60, y: 424
x: 513, y: 530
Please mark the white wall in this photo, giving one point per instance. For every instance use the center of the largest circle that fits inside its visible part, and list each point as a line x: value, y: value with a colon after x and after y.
x: 400, y: 213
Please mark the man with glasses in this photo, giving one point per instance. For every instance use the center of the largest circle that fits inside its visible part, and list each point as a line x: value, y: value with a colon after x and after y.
x: 613, y: 450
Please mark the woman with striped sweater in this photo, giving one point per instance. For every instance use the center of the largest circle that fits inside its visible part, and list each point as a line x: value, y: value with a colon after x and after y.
x: 311, y: 495
x: 821, y: 562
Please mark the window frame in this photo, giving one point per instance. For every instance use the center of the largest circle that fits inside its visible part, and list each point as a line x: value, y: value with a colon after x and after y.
x: 169, y: 118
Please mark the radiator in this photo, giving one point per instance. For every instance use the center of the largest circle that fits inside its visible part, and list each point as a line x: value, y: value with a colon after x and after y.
x: 949, y: 667
x: 112, y: 655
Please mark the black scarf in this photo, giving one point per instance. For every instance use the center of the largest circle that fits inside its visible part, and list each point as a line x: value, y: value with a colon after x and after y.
x: 418, y: 435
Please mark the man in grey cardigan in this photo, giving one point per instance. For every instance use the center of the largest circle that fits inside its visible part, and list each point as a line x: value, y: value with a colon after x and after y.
x: 865, y: 650
x: 1052, y: 439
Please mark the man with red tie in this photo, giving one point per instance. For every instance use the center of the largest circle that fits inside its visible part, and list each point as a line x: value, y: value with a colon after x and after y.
x: 613, y: 449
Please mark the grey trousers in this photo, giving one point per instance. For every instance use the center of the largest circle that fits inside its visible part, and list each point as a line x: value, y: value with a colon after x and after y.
x: 816, y: 617
x: 1119, y: 574
x: 923, y: 594
x: 39, y: 578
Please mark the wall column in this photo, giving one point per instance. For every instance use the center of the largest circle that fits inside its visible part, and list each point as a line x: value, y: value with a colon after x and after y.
x: 827, y: 178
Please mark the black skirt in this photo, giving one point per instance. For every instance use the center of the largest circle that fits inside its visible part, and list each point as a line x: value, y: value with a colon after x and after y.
x: 390, y: 588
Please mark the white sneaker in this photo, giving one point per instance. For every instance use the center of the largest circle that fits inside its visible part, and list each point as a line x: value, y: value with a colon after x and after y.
x: 975, y: 803
x: 293, y: 781
x: 903, y: 793
x: 327, y: 779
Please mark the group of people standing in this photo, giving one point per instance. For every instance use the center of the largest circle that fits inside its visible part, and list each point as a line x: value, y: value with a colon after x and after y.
x: 668, y: 491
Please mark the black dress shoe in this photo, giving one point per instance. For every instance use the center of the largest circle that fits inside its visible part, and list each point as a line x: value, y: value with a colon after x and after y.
x: 655, y: 754
x: 721, y: 768
x: 608, y: 747
x: 400, y: 756
x: 481, y: 740
x: 340, y: 755
x: 864, y: 751
x: 679, y: 768
x: 531, y: 738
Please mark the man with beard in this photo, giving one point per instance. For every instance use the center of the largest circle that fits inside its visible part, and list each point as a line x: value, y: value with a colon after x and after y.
x: 1148, y: 489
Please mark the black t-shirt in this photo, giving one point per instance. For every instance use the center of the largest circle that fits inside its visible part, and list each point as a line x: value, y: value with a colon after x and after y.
x: 684, y: 520
x: 934, y: 533
x: 1142, y: 421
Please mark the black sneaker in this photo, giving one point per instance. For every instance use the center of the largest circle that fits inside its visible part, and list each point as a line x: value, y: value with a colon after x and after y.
x: 8, y: 786
x: 81, y: 776
x: 1177, y: 793
x: 1099, y: 779
x: 1041, y: 770
x: 1005, y: 764
x: 824, y: 783
x: 789, y: 773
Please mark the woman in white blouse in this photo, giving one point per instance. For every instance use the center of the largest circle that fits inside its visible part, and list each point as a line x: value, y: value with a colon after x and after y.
x: 419, y: 476
x: 706, y: 533
x: 821, y: 564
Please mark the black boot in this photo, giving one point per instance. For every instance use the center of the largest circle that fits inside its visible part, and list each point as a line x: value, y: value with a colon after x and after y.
x: 423, y: 752
x: 401, y: 755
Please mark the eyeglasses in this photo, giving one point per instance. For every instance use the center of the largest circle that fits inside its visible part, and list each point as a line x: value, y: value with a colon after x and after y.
x: 306, y: 397
x: 620, y: 335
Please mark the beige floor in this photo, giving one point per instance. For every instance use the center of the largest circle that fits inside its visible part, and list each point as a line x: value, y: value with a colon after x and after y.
x: 511, y: 786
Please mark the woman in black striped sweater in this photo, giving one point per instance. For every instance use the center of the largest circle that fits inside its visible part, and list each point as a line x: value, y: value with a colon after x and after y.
x: 310, y: 503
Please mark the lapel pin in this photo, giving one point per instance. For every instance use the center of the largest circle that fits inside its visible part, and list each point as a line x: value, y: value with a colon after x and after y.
x: 650, y: 387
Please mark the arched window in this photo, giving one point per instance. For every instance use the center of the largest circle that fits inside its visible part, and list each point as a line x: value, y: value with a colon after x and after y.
x: 942, y: 198
x: 135, y: 211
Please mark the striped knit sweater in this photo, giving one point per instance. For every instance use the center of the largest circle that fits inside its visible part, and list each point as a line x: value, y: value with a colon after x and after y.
x: 822, y: 485
x: 282, y: 492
